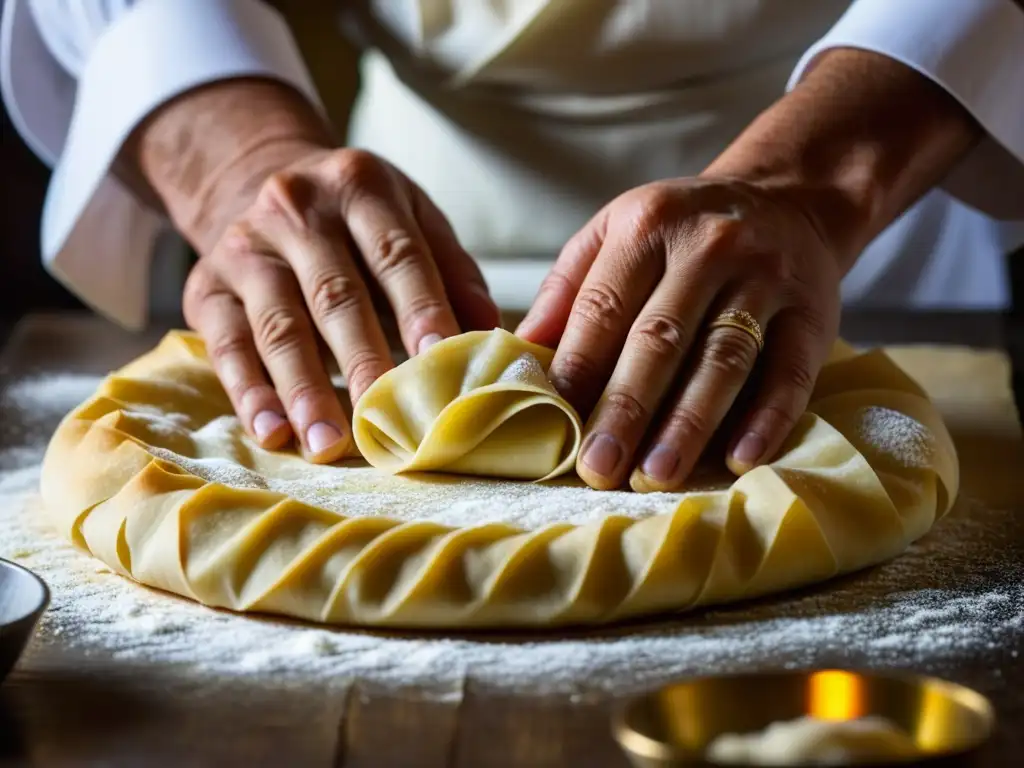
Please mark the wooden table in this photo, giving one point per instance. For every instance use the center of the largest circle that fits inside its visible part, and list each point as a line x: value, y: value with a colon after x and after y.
x: 63, y: 709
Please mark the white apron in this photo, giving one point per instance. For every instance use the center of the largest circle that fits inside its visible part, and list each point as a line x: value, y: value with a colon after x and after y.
x: 522, y: 118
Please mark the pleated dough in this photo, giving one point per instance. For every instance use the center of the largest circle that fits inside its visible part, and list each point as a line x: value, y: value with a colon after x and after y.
x: 155, y: 477
x: 478, y: 404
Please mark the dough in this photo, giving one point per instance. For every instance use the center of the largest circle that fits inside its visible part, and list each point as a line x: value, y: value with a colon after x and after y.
x: 809, y: 741
x: 479, y: 404
x: 155, y: 477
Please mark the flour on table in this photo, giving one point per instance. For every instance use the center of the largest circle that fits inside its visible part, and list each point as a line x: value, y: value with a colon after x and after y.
x: 930, y: 606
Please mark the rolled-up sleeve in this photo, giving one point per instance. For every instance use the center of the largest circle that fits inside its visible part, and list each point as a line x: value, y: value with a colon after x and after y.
x: 77, y: 76
x: 974, y: 49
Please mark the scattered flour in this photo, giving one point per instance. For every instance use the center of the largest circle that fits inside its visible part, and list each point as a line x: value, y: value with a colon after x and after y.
x: 367, y: 491
x: 896, y: 435
x: 938, y: 603
x: 525, y: 368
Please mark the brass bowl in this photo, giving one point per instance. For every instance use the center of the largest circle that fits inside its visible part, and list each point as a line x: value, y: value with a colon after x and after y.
x: 674, y: 725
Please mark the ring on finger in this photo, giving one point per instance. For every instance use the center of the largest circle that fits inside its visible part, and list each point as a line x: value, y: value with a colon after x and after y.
x: 741, y: 320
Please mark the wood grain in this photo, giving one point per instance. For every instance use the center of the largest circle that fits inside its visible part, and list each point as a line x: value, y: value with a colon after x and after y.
x: 64, y: 708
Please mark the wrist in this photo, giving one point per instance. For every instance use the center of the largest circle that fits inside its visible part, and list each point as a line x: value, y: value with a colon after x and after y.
x: 854, y: 145
x: 205, y: 154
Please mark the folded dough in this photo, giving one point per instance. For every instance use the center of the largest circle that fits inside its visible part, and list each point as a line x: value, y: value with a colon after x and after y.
x: 155, y: 477
x: 476, y: 404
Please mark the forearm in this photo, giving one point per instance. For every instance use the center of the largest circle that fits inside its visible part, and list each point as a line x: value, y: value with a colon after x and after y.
x: 205, y: 153
x: 860, y: 139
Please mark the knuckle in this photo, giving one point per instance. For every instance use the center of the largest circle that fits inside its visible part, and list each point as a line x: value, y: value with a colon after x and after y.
x: 393, y: 250
x: 301, y: 389
x: 354, y: 167
x: 276, y: 192
x: 573, y: 373
x: 286, y: 195
x: 781, y: 418
x: 663, y: 335
x: 276, y: 329
x: 684, y: 424
x: 333, y: 294
x: 231, y: 343
x: 599, y: 306
x: 626, y: 407
x: 720, y: 233
x: 362, y: 368
x: 798, y: 375
x: 556, y: 284
x: 815, y: 323
x: 729, y: 351
x: 421, y: 308
x: 238, y: 238
x: 656, y: 204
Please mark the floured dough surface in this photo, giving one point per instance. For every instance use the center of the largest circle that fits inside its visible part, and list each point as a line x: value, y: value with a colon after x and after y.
x: 479, y: 405
x: 155, y: 476
x: 810, y: 741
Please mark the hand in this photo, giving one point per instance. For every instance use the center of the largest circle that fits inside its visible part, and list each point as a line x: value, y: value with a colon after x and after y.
x: 629, y: 303
x: 299, y: 264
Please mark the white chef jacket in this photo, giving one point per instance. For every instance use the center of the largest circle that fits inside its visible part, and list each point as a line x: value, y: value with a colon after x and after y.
x: 520, y: 119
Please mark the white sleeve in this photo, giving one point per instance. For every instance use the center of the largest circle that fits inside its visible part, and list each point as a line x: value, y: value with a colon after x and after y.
x: 77, y: 76
x: 974, y: 49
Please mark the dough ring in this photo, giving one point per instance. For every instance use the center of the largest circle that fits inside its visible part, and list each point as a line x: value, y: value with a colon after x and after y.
x: 155, y: 477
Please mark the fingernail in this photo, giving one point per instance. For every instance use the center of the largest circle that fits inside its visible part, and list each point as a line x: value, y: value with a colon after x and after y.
x: 266, y: 424
x: 661, y: 463
x: 749, y: 450
x: 428, y: 341
x: 602, y: 454
x: 322, y: 437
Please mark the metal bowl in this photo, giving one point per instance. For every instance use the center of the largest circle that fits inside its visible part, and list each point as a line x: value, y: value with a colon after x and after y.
x: 674, y: 725
x: 23, y: 598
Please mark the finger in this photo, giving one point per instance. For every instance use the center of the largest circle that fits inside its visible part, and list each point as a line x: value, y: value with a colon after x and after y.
x: 464, y: 283
x: 719, y: 370
x: 287, y: 345
x: 549, y: 313
x: 217, y: 315
x: 611, y: 296
x: 334, y: 293
x: 380, y: 220
x: 645, y: 374
x: 794, y: 355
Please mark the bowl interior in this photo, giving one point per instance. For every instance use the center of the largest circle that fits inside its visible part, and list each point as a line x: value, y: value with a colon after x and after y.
x: 22, y: 594
x: 679, y: 721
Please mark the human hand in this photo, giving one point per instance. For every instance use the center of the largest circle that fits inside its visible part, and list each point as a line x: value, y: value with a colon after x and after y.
x: 629, y: 303
x: 299, y: 243
x: 299, y: 265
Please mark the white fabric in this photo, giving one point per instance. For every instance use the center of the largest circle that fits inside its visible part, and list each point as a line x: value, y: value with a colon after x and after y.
x: 950, y: 248
x: 76, y: 93
x: 520, y: 118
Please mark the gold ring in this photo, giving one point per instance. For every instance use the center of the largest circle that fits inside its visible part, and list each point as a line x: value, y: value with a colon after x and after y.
x: 744, y: 321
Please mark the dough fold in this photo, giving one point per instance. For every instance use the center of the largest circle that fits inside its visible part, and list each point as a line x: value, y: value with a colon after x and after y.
x: 154, y: 476
x: 477, y: 404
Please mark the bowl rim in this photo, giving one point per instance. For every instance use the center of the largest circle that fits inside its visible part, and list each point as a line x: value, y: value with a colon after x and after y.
x: 33, y: 615
x: 642, y: 745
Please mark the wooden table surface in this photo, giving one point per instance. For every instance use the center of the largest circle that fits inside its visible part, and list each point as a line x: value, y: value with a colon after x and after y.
x: 61, y: 708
